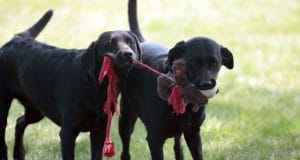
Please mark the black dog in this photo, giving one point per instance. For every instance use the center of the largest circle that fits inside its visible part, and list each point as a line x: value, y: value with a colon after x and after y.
x: 204, y: 58
x: 60, y: 84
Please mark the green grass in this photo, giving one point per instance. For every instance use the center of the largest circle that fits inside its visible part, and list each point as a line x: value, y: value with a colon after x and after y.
x: 256, y: 115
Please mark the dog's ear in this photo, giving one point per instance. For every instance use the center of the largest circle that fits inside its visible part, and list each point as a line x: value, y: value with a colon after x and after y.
x: 176, y: 52
x: 89, y: 59
x: 227, y: 58
x: 138, y: 45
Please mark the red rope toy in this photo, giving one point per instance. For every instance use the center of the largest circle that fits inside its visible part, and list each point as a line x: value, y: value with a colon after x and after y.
x: 175, y: 98
x: 107, y: 69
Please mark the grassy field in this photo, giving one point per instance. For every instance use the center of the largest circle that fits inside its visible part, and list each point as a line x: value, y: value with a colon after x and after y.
x: 256, y: 116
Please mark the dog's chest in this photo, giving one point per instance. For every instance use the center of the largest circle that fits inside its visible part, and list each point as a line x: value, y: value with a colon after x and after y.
x: 187, y: 121
x: 178, y: 124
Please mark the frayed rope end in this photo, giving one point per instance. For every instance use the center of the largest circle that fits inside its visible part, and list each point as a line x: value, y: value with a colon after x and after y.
x: 175, y: 99
x: 109, y: 148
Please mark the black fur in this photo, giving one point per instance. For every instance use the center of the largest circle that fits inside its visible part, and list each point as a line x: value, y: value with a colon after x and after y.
x: 60, y: 84
x: 204, y: 58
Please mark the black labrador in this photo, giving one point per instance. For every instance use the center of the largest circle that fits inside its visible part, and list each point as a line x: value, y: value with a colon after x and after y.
x: 204, y: 58
x: 60, y: 84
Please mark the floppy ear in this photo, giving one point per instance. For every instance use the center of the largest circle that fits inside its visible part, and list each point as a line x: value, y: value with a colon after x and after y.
x: 138, y: 46
x: 227, y: 58
x: 89, y: 59
x: 176, y: 52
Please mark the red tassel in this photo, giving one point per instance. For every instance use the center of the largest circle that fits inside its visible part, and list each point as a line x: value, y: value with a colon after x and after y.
x: 106, y: 65
x: 175, y: 99
x: 108, y: 69
x: 109, y: 149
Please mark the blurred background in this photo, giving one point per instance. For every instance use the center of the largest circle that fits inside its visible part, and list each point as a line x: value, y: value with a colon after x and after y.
x: 256, y: 115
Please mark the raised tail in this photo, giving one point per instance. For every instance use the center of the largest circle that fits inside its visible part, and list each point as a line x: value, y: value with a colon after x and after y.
x: 38, y: 26
x: 133, y: 21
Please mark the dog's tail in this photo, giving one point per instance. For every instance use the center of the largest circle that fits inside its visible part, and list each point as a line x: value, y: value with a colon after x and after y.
x: 34, y: 30
x: 133, y: 21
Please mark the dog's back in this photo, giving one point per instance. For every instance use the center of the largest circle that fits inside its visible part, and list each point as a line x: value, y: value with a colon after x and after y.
x: 155, y: 55
x: 11, y: 56
x: 23, y: 60
x: 12, y: 53
x: 29, y: 68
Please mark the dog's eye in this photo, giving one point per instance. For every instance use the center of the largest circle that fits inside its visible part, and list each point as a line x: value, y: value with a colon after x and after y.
x: 113, y: 40
x: 213, y: 64
x: 194, y: 64
x: 129, y: 40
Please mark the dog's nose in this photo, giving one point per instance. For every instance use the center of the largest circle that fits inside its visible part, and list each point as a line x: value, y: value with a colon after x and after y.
x: 204, y: 85
x: 126, y: 53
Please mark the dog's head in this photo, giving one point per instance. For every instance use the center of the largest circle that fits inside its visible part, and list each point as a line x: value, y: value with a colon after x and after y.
x: 204, y: 58
x: 122, y: 46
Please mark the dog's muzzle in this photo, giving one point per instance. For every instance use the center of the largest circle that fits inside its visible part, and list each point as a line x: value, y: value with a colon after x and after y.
x: 208, y: 88
x: 205, y: 85
x: 125, y: 58
x: 121, y: 60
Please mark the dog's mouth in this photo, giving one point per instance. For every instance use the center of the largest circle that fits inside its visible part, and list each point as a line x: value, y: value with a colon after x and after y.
x: 125, y: 62
x: 208, y: 88
x: 111, y: 55
x: 209, y: 93
x: 121, y: 61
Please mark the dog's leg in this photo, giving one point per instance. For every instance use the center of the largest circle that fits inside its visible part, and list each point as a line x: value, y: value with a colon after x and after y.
x: 193, y: 140
x: 155, y: 143
x: 97, y: 141
x: 5, y: 102
x: 30, y: 116
x: 126, y: 126
x: 178, y: 148
x: 67, y: 138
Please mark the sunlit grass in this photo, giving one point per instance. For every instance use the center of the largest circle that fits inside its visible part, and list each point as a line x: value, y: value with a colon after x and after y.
x: 256, y: 115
